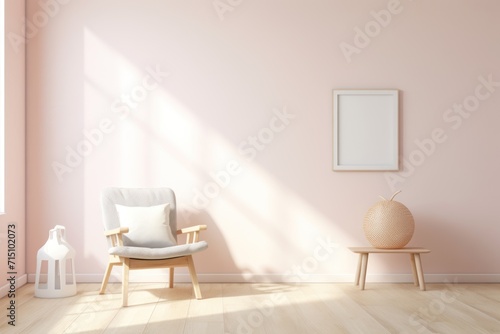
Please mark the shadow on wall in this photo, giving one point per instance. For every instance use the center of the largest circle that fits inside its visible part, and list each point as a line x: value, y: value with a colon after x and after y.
x: 217, y: 251
x: 434, y: 232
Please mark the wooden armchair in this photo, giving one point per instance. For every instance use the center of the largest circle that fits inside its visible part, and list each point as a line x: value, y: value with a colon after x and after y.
x: 141, y: 228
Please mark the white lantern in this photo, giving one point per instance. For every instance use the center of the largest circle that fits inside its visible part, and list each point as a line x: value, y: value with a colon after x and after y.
x: 55, y: 261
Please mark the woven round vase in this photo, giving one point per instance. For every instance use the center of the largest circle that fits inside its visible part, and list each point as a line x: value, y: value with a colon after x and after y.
x: 388, y: 224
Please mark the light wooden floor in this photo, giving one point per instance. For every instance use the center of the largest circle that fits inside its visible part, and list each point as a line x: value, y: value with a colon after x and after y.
x: 262, y: 308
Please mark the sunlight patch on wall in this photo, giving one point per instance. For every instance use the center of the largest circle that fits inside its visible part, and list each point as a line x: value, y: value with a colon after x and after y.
x: 264, y: 218
x: 154, y: 139
x: 109, y: 81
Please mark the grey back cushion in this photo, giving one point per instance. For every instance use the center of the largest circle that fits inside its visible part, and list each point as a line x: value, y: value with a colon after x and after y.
x: 136, y: 197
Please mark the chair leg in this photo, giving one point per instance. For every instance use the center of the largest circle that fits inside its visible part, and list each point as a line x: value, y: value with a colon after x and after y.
x: 106, y: 278
x: 194, y: 278
x: 125, y: 282
x: 171, y: 278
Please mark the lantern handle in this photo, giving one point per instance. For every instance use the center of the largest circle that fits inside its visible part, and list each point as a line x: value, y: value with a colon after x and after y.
x: 397, y: 192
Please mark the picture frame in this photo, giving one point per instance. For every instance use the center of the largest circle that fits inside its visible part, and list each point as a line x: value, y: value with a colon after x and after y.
x: 366, y: 130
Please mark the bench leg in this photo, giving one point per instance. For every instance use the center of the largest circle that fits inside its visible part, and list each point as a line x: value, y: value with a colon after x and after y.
x: 364, y: 265
x: 414, y: 269
x: 358, y: 270
x: 420, y: 273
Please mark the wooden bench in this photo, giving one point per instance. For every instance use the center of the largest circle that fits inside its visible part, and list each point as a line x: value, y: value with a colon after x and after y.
x: 416, y: 263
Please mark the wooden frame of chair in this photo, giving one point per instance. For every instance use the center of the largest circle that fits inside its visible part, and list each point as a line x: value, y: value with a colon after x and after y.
x: 115, y: 237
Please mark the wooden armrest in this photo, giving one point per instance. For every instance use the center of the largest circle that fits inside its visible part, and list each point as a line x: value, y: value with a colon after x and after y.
x: 190, y: 229
x: 119, y: 230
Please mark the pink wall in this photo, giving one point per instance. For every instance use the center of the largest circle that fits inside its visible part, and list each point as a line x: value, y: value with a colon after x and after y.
x: 179, y: 93
x: 14, y: 149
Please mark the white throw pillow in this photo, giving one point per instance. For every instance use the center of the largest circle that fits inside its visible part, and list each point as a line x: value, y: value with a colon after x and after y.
x: 149, y: 226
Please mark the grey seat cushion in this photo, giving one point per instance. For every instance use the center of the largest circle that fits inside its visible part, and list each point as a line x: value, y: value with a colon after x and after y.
x: 158, y: 253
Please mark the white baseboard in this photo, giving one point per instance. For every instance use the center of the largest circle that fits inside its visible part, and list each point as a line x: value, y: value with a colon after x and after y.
x: 266, y: 278
x: 20, y: 281
x: 242, y: 278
